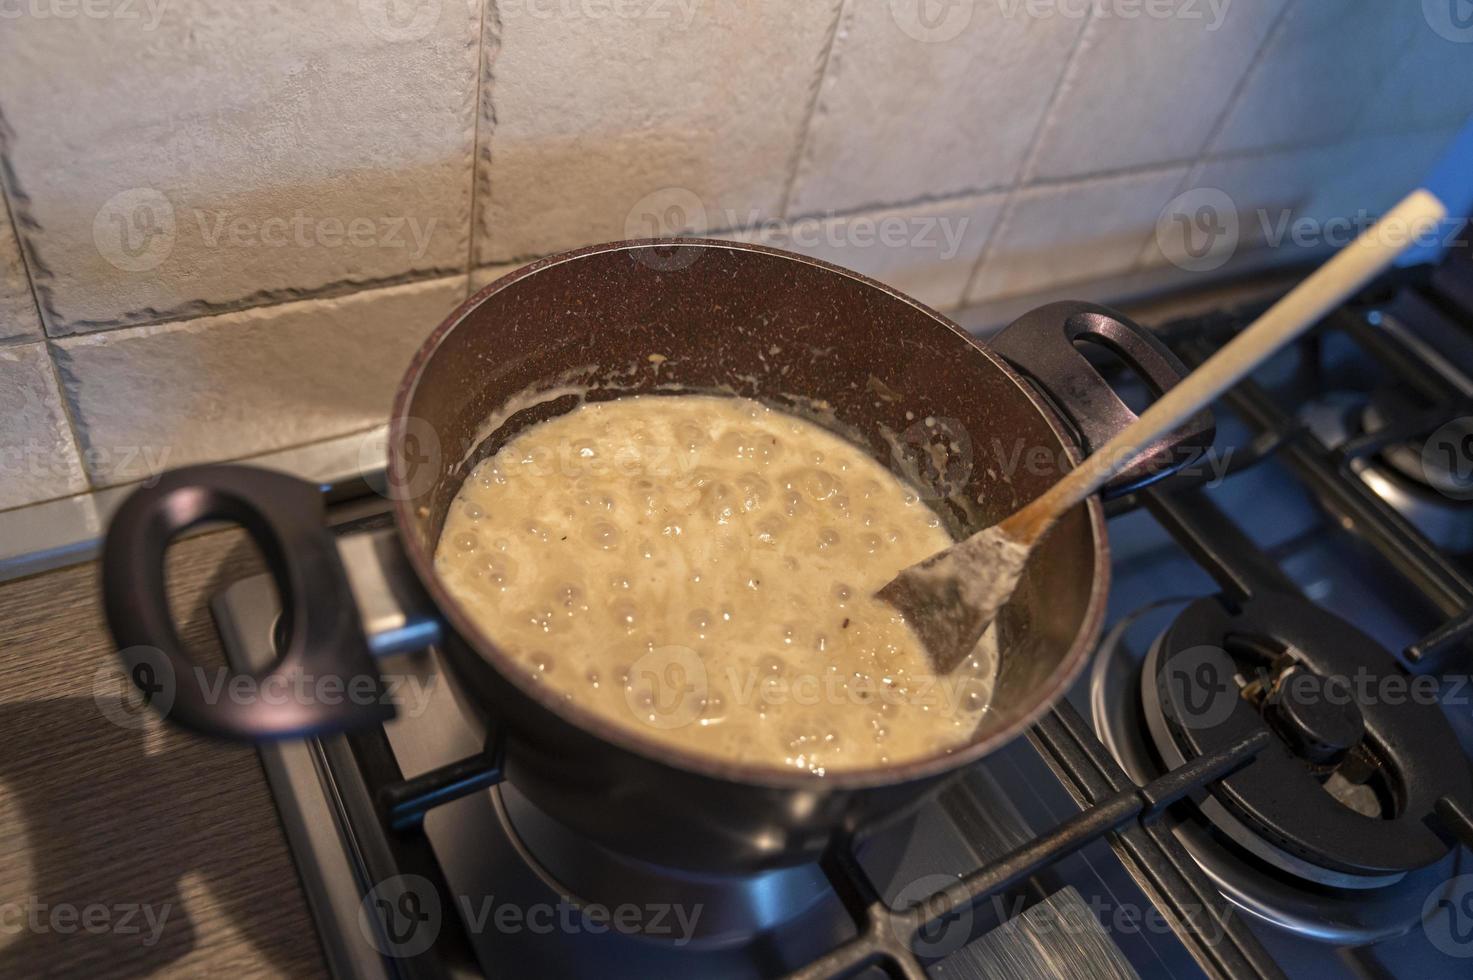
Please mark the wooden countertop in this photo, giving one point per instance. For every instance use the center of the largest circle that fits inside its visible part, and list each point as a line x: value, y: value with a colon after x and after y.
x: 103, y: 824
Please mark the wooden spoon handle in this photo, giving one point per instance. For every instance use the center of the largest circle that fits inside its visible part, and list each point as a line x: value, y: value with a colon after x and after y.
x: 1329, y: 286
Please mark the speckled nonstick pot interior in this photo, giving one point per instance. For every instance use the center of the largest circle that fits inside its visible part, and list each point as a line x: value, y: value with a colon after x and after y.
x: 803, y: 336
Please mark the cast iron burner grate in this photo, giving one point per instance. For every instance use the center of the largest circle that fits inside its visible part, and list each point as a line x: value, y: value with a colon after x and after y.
x: 385, y: 813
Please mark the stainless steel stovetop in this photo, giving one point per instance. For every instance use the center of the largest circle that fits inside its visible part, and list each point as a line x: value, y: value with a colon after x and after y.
x: 1076, y: 871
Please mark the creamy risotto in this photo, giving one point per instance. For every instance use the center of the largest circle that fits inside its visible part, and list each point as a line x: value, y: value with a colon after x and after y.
x: 704, y: 568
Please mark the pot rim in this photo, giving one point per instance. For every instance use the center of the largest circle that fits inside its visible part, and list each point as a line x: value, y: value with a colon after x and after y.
x: 630, y: 737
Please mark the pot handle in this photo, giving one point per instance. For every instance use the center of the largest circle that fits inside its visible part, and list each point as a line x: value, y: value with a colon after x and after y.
x: 323, y: 635
x: 1040, y: 346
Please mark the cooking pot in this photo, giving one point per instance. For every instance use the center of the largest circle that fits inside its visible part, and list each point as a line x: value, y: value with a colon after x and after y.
x: 664, y: 316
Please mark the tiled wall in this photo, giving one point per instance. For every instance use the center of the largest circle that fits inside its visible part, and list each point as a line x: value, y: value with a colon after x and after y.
x: 228, y: 222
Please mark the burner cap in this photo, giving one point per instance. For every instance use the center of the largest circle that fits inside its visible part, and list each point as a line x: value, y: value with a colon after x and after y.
x: 1361, y: 756
x: 1320, y: 728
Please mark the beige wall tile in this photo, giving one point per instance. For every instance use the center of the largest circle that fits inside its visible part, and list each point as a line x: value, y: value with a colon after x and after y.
x: 38, y: 459
x: 210, y: 153
x: 1322, y: 66
x: 1430, y: 87
x: 927, y: 251
x: 1073, y: 232
x: 240, y: 383
x: 18, y: 319
x: 907, y: 112
x: 593, y: 127
x: 1148, y: 90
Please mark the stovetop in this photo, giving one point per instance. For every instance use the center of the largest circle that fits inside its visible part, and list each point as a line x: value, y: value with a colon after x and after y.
x: 1117, y: 838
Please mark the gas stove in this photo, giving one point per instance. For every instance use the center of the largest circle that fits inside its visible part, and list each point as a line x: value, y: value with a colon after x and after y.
x: 1265, y: 773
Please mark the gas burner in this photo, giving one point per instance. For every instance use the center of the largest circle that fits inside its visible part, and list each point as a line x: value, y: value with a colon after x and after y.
x: 1399, y: 473
x: 726, y: 911
x: 1323, y: 834
x: 1340, y: 798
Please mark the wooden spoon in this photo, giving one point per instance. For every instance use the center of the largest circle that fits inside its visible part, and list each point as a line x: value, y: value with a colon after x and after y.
x: 950, y: 598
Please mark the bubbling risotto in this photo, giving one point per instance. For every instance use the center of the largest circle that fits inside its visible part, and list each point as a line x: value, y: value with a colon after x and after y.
x: 703, y: 568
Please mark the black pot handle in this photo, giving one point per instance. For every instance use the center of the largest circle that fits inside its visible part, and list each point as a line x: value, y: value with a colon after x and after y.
x: 324, y: 680
x: 1040, y: 346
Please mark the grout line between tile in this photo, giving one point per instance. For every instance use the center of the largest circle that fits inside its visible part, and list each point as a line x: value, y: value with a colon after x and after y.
x: 73, y: 433
x: 470, y: 245
x: 268, y: 299
x: 93, y: 336
x: 825, y: 60
x: 74, y: 430
x: 25, y: 265
x: 491, y: 32
x: 1029, y: 160
x: 1194, y: 172
x: 1270, y: 38
x: 264, y: 453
